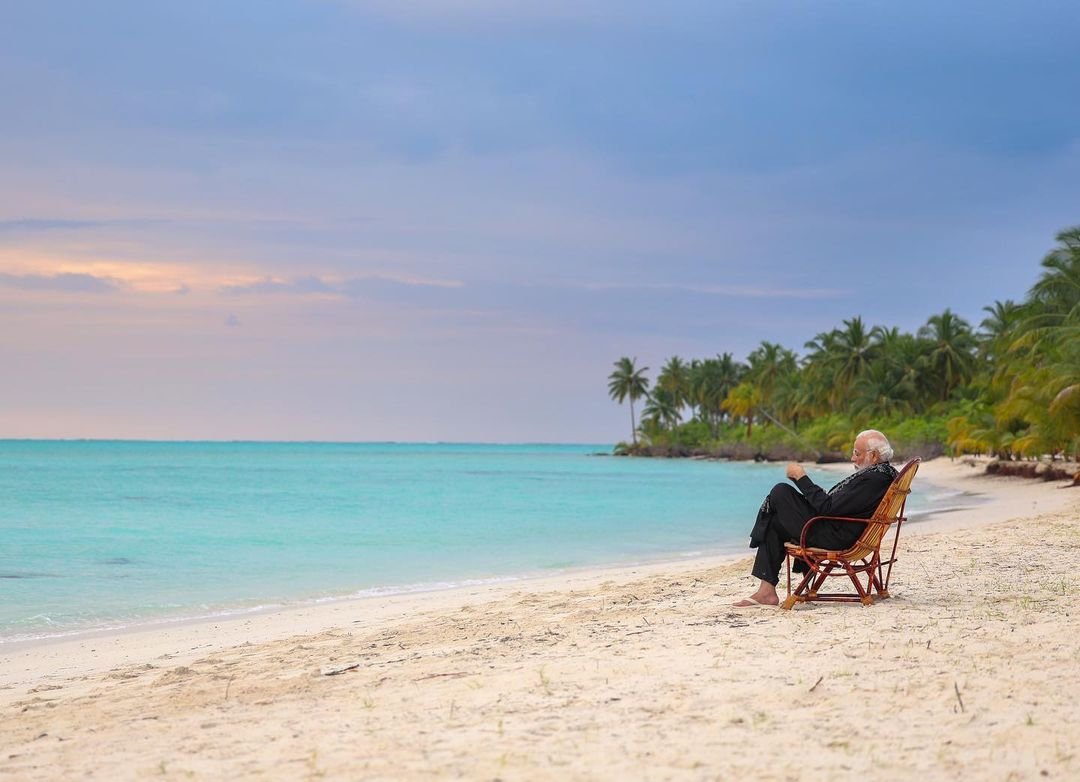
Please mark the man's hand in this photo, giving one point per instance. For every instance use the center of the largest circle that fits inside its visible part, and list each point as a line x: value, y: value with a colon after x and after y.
x: 795, y: 471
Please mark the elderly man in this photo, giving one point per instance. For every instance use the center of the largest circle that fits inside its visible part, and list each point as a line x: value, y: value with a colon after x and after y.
x: 786, y: 510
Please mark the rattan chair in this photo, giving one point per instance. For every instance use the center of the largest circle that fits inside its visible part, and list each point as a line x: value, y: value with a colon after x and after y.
x: 862, y: 562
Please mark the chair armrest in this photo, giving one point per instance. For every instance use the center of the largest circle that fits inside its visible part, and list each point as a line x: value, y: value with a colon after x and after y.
x: 849, y: 519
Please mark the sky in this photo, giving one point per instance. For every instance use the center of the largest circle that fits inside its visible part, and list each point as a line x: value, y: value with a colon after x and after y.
x: 446, y: 220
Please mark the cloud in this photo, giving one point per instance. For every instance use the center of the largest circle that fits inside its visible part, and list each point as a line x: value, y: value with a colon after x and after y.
x: 349, y: 287
x: 269, y: 285
x: 45, y: 225
x: 733, y: 291
x: 67, y: 282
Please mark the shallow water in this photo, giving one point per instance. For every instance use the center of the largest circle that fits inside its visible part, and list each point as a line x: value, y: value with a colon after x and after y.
x: 109, y: 534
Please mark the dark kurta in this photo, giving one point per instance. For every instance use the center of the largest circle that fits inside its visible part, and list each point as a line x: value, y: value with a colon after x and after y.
x: 785, y: 511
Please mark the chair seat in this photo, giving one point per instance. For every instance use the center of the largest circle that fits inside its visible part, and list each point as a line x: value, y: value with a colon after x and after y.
x: 820, y: 553
x: 855, y: 553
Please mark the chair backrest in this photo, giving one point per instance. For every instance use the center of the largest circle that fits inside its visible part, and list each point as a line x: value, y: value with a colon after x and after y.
x: 890, y: 509
x: 892, y: 504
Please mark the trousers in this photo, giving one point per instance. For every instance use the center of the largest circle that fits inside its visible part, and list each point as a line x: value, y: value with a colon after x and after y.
x: 782, y: 518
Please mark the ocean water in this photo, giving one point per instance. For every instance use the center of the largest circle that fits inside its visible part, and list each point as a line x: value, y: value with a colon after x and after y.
x: 101, y: 534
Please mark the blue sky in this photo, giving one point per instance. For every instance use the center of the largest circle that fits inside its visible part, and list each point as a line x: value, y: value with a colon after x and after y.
x: 445, y: 220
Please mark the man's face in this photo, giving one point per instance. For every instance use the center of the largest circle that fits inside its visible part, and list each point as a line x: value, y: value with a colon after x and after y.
x: 860, y: 456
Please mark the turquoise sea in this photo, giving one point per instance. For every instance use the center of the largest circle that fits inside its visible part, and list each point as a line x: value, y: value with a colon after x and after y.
x: 105, y: 534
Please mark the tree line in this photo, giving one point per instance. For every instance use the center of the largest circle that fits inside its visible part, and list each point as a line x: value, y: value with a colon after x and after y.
x: 1009, y: 387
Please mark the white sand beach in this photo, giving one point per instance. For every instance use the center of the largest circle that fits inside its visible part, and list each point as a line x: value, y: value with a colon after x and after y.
x: 968, y: 671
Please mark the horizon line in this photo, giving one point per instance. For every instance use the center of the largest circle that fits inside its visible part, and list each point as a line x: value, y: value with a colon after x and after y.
x: 243, y: 441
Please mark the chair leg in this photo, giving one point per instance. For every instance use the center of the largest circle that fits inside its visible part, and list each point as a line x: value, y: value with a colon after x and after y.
x: 876, y: 581
x: 864, y: 594
x: 799, y: 591
x: 821, y: 575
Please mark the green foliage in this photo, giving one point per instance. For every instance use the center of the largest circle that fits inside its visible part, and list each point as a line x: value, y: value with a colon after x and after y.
x: 832, y: 433
x: 1012, y: 388
x: 915, y: 435
x: 695, y: 434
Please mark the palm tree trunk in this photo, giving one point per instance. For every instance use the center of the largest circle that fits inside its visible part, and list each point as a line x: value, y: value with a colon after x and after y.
x: 633, y: 424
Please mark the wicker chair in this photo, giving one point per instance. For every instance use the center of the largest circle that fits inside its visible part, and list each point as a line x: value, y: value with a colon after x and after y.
x: 860, y: 563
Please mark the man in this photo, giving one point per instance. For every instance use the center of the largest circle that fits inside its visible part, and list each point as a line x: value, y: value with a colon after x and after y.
x: 785, y: 511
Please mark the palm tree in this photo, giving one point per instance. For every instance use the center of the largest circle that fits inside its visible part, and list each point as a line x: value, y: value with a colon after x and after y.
x: 768, y: 363
x: 904, y: 358
x: 997, y: 329
x: 710, y: 382
x: 661, y: 408
x: 952, y: 351
x: 674, y: 377
x: 743, y: 400
x: 1045, y: 356
x: 819, y: 371
x: 1057, y: 293
x: 878, y: 395
x: 702, y: 385
x: 854, y: 351
x: 793, y: 398
x: 628, y: 382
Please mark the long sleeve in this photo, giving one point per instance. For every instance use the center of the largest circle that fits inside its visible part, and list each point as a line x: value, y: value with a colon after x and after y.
x: 858, y: 498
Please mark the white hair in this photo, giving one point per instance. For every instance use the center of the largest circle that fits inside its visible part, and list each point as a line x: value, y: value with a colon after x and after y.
x: 876, y: 441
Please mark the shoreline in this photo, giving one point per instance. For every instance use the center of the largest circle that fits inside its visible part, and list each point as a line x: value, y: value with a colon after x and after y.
x: 942, y: 473
x: 231, y: 613
x: 605, y: 672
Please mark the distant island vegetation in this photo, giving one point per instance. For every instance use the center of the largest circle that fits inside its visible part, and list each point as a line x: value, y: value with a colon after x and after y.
x: 1009, y: 388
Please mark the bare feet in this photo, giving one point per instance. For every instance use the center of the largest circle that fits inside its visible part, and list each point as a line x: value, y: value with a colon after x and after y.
x: 753, y: 602
x: 764, y: 596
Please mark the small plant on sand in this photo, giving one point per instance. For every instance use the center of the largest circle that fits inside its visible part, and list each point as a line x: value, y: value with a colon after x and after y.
x: 545, y: 682
x: 313, y: 761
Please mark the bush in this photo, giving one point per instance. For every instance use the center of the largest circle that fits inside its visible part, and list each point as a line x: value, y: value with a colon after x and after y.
x: 694, y: 434
x: 923, y: 437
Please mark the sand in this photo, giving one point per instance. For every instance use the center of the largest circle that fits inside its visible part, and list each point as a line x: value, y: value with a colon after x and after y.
x: 968, y: 671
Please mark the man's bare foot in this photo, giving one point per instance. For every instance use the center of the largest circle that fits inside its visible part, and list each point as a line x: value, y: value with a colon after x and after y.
x: 764, y: 596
